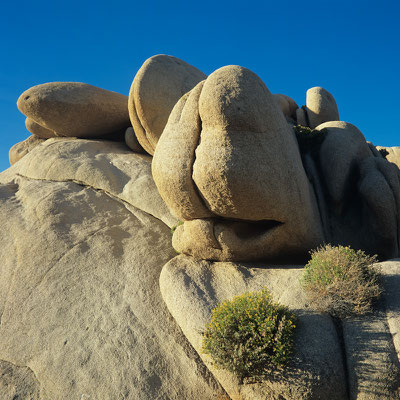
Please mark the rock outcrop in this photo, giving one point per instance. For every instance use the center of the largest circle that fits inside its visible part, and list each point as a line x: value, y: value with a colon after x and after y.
x: 94, y: 302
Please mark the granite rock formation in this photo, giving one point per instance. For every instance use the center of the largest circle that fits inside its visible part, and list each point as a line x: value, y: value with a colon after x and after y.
x: 94, y: 301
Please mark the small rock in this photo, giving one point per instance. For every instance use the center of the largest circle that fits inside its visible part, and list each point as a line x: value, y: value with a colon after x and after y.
x: 20, y: 149
x: 287, y: 105
x: 321, y: 107
x: 132, y: 142
x: 38, y: 130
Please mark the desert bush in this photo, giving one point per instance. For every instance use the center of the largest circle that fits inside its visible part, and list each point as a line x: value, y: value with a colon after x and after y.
x: 341, y: 281
x: 250, y: 335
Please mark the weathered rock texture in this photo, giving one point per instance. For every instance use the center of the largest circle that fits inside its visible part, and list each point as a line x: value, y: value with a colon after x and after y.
x: 103, y: 165
x: 158, y: 85
x: 18, y: 382
x: 75, y: 109
x: 361, y: 365
x: 80, y: 308
x: 225, y: 152
x: 21, y: 149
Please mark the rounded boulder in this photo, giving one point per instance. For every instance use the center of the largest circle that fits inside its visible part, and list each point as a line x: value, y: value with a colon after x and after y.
x: 158, y: 85
x: 75, y: 109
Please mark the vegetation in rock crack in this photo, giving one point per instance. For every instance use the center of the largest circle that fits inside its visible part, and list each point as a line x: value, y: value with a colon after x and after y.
x: 341, y: 281
x: 308, y: 138
x: 173, y: 229
x: 383, y: 152
x: 250, y: 335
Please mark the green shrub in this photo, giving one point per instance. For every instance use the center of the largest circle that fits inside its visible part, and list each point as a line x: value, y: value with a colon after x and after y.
x: 307, y: 138
x: 250, y: 335
x: 341, y: 281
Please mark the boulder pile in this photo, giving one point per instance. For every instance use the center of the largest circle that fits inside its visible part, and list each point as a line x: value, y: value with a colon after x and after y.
x: 94, y: 302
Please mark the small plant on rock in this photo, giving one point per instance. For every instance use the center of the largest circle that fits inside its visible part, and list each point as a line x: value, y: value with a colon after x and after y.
x: 341, y: 281
x: 308, y: 138
x: 250, y: 335
x: 173, y: 229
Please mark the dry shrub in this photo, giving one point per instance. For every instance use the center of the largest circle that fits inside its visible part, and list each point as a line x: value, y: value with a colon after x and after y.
x: 250, y: 335
x: 341, y: 281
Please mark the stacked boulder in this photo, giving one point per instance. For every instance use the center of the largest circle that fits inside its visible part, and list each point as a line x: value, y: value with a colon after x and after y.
x: 227, y: 163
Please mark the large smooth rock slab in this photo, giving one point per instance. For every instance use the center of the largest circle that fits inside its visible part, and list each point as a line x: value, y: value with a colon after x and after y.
x: 158, y: 85
x: 191, y: 289
x: 321, y: 107
x: 21, y: 149
x: 75, y: 109
x: 81, y: 312
x: 103, y: 165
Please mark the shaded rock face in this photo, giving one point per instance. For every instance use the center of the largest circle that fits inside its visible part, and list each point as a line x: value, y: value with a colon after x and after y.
x: 228, y: 155
x: 80, y: 308
x: 73, y: 109
x: 357, y: 190
x: 132, y: 142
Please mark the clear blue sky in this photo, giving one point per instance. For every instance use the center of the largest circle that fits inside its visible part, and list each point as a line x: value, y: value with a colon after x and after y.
x: 352, y: 48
